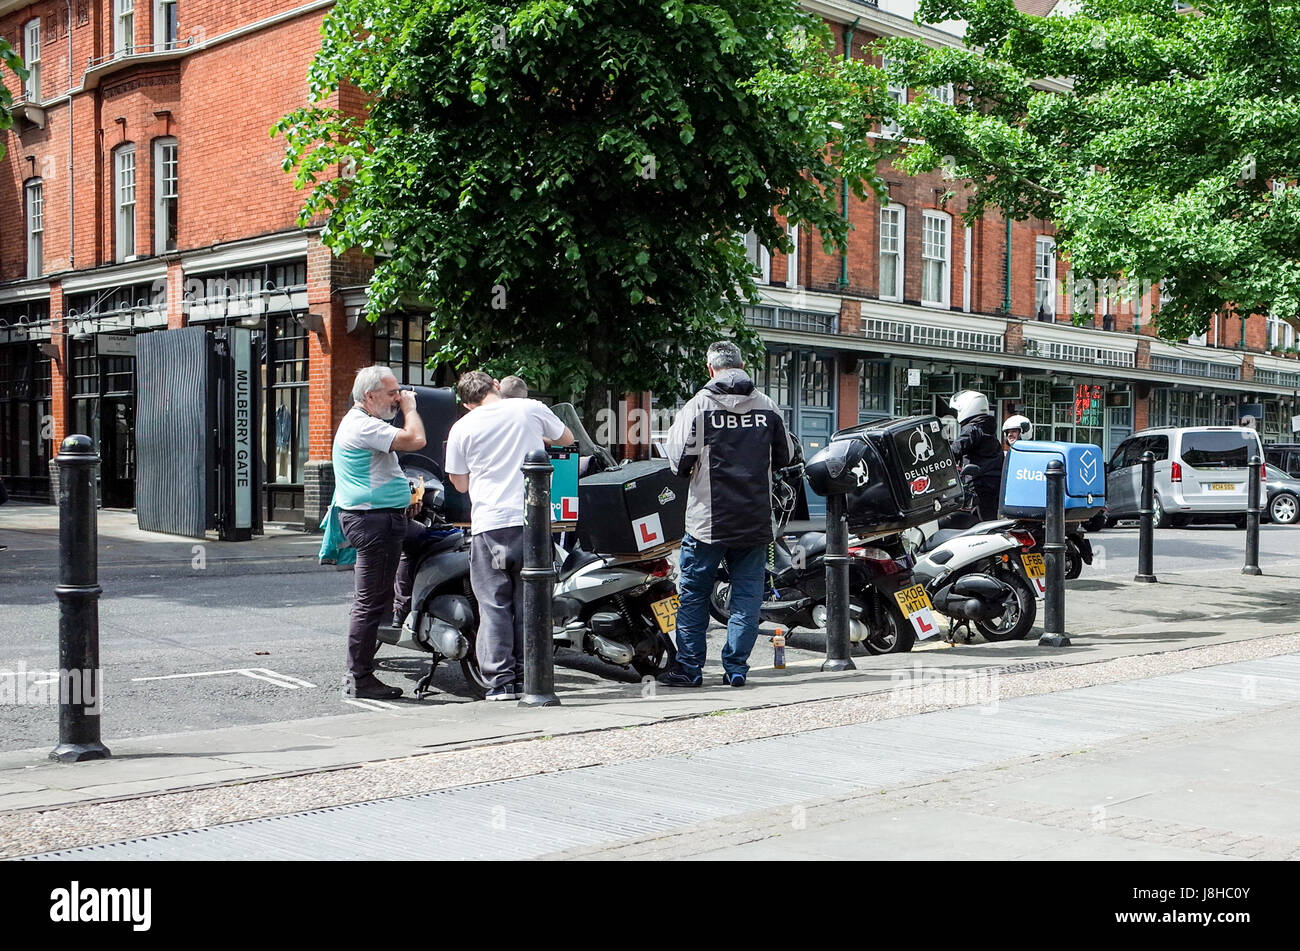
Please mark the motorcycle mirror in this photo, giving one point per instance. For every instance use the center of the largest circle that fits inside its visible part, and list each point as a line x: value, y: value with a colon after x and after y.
x: 970, y: 470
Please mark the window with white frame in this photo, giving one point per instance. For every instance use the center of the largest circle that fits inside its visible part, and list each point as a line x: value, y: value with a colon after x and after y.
x: 942, y: 93
x: 166, y: 195
x: 166, y: 26
x: 124, y: 200
x: 1281, y: 335
x: 32, y: 60
x: 936, y: 253
x: 759, y: 258
x: 1044, y: 276
x: 892, y: 228
x: 123, y: 27
x: 896, y: 93
x: 35, y: 227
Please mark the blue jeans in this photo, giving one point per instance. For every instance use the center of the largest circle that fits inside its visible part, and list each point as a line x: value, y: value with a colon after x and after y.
x: 699, y: 567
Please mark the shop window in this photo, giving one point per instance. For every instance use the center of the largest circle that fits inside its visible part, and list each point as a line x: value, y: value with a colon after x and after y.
x: 873, y: 387
x: 287, y: 403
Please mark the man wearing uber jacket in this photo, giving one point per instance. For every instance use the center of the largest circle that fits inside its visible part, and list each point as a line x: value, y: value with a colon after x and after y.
x: 727, y: 440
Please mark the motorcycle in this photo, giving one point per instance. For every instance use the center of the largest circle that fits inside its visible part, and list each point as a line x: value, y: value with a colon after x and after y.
x: 979, y: 575
x: 795, y: 583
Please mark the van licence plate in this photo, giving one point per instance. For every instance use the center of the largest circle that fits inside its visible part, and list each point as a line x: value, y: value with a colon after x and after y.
x: 1222, y: 487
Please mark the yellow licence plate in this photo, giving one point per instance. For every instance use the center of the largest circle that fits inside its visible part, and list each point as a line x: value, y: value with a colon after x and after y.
x: 914, y: 599
x: 666, y: 613
x: 1222, y: 487
x: 1035, y: 567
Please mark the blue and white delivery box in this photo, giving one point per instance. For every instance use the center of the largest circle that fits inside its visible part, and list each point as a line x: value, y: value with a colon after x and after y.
x: 564, y: 483
x: 1024, y: 479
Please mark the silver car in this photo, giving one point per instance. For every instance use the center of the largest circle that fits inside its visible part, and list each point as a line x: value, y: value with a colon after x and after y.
x: 1200, y: 474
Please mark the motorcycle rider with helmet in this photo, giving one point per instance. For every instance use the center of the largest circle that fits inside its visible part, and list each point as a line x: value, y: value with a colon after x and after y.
x: 1016, y: 427
x: 977, y: 444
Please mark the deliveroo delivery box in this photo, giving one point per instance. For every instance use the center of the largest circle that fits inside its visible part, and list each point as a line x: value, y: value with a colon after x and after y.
x: 1024, y: 479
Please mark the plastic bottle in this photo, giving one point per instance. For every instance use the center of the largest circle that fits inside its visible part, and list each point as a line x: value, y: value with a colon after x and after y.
x: 778, y: 649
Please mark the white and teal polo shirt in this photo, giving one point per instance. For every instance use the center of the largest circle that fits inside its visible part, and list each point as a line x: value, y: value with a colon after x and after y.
x: 366, y: 473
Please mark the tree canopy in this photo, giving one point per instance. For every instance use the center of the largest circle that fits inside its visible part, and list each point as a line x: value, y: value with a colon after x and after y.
x: 10, y: 58
x: 563, y: 185
x: 1173, y: 156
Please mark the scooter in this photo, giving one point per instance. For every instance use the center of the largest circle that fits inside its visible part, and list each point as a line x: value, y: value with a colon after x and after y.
x: 443, y: 618
x: 978, y: 576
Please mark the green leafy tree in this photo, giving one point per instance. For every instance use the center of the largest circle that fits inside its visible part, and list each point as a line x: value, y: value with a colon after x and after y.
x: 1174, y: 154
x: 9, y: 56
x: 562, y: 184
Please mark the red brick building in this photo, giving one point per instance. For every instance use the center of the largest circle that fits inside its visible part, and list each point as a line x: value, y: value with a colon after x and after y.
x: 143, y: 191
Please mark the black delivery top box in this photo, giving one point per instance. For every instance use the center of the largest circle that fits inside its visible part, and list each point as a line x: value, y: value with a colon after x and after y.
x: 631, y: 509
x: 911, y: 478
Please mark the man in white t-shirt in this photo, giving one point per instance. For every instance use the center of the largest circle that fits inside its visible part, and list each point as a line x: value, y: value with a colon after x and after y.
x: 372, y: 494
x: 485, y: 452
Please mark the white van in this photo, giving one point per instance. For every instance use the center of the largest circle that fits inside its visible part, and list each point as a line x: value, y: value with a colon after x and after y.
x: 1200, y: 474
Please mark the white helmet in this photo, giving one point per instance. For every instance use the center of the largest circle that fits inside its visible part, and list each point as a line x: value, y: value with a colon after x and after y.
x: 1019, y: 424
x: 968, y: 404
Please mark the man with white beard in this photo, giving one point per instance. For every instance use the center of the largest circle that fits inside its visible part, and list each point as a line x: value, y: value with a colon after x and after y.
x: 372, y: 495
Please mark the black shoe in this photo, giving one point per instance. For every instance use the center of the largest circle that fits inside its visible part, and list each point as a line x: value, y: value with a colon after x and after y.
x: 733, y: 680
x: 674, y: 676
x: 369, y: 687
x: 398, y: 618
x: 502, y: 693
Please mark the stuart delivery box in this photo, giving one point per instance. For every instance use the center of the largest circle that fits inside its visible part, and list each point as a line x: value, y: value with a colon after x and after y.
x: 1024, y: 479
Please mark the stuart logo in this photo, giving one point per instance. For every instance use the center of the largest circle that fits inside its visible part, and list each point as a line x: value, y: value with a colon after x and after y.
x: 75, y: 903
x: 1087, y: 467
x: 860, y: 473
x: 666, y: 496
x: 921, y: 486
x: 922, y: 449
x: 1031, y: 475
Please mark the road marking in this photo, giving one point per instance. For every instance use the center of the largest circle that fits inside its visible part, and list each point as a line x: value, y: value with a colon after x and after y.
x: 256, y: 673
x: 374, y: 706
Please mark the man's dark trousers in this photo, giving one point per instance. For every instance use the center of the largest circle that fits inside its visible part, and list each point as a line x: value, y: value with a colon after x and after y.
x: 377, y: 536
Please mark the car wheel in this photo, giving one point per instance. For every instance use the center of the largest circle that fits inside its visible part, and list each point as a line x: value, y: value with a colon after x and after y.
x: 1284, y: 509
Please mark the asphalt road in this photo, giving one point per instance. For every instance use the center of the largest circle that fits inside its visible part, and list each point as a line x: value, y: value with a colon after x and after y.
x: 254, y: 640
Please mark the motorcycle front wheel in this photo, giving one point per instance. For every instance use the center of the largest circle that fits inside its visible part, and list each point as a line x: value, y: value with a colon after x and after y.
x: 1073, y: 562
x: 1018, y: 615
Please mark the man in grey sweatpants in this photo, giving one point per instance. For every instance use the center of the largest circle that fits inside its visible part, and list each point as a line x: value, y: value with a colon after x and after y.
x: 485, y: 452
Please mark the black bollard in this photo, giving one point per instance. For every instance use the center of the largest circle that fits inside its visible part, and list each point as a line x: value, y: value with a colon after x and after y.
x: 78, y: 592
x: 1054, y: 554
x: 1146, y: 530
x: 1252, y: 519
x: 837, y: 586
x: 538, y: 576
